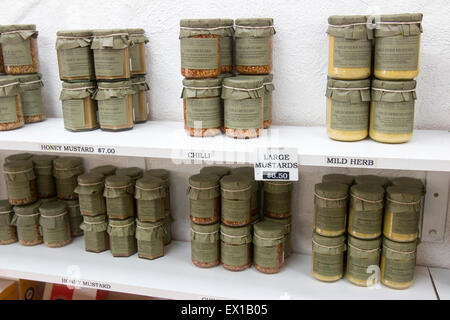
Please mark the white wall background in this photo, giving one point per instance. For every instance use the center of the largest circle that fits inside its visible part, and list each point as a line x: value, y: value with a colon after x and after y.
x: 300, y: 49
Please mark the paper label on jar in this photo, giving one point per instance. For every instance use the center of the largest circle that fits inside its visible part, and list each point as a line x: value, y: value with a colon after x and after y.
x: 113, y: 112
x: 76, y: 62
x: 204, y: 113
x: 32, y: 103
x: 204, y: 252
x: 367, y: 222
x: 18, y: 191
x: 199, y: 53
x: 95, y: 241
x: 267, y: 101
x: 151, y: 248
x: 226, y: 51
x: 328, y: 265
x: 243, y: 114
x: 202, y: 208
x: 357, y: 266
x: 150, y: 209
x: 266, y: 257
x: 109, y: 62
x: 349, y: 116
x: 235, y: 210
x: 28, y: 233
x: 331, y: 219
x: 122, y: 245
x: 120, y: 207
x: 234, y: 255
x: 17, y: 54
x: 58, y: 234
x: 73, y: 113
x: 349, y: 53
x: 135, y: 56
x: 253, y: 51
x: 277, y: 202
x: 399, y: 270
x: 393, y: 117
x: 8, y: 109
x: 405, y: 222
x: 92, y: 203
x: 5, y: 233
x: 397, y: 53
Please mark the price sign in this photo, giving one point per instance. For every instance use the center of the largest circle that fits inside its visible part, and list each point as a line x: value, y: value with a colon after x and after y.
x: 276, y: 164
x: 79, y: 149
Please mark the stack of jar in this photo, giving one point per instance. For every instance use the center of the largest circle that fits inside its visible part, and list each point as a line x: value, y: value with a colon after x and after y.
x: 126, y: 211
x: 224, y: 207
x: 41, y: 205
x: 103, y: 74
x: 374, y: 212
x: 214, y: 100
x: 20, y: 89
x: 382, y: 106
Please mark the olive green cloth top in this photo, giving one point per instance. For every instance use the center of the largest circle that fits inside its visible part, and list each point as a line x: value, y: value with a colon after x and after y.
x: 254, y: 27
x: 106, y: 170
x: 90, y: 183
x: 267, y: 233
x: 408, y: 181
x: 18, y: 171
x: 149, y: 231
x: 94, y: 224
x: 353, y: 91
x: 236, y: 235
x: 237, y: 88
x: 237, y: 187
x: 349, y: 27
x: 18, y: 156
x: 405, y: 247
x: 53, y: 208
x: 149, y: 188
x: 137, y: 36
x: 371, y: 179
x: 43, y: 164
x: 216, y: 170
x: 139, y: 84
x: 328, y: 245
x: 108, y: 90
x: 122, y: 228
x: 132, y: 172
x: 208, y: 233
x: 404, y: 194
x: 339, y: 178
x: 110, y: 39
x: 72, y: 39
x: 6, y: 213
x: 77, y: 90
x: 278, y: 186
x: 116, y: 186
x: 363, y: 244
x: 201, y: 88
x: 9, y: 87
x: 203, y: 186
x: 163, y: 174
x: 396, y: 91
x: 367, y: 192
x: 67, y: 167
x: 195, y: 27
x: 392, y: 25
x: 13, y: 34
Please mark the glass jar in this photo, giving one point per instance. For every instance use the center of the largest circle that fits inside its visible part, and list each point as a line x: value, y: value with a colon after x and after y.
x: 330, y: 209
x: 392, y: 111
x: 78, y: 107
x: 90, y: 190
x: 363, y: 259
x: 243, y: 107
x: 366, y: 211
x: 167, y: 226
x: 202, y: 107
x: 204, y: 198
x: 106, y: 170
x: 115, y: 105
x: 122, y: 240
x: 398, y: 262
x: 2, y: 65
x: 149, y: 235
x: 397, y: 46
x: 111, y: 54
x: 20, y: 182
x: 349, y: 47
x: 402, y: 213
x: 256, y: 188
x: 55, y: 223
x: 236, y: 193
x: 215, y: 170
x: 163, y: 174
x: 18, y: 156
x: 277, y: 199
x: 372, y: 179
x: 328, y: 257
x: 96, y: 239
x: 226, y: 45
x: 11, y: 110
x: 339, y: 178
x: 26, y: 220
x: 254, y: 45
x: 137, y: 51
x: 119, y: 191
x: 20, y: 49
x: 8, y: 232
x: 268, y: 247
x: 205, y: 245
x: 73, y: 208
x: 66, y: 171
x: 200, y: 47
x: 43, y: 169
x: 31, y: 97
x: 348, y: 109
x: 149, y: 197
x: 75, y: 59
x: 235, y: 247
x: 140, y: 104
x: 286, y: 223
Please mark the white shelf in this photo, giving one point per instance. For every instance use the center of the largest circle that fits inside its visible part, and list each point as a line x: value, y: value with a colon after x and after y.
x: 441, y: 278
x: 175, y: 277
x: 428, y: 150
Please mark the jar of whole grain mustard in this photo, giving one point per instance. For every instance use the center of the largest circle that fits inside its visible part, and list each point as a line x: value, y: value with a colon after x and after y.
x: 122, y: 239
x: 204, y: 198
x: 277, y: 199
x: 90, y: 190
x: 149, y: 197
x: 256, y: 187
x: 140, y: 104
x: 20, y: 49
x: 20, y: 182
x: 268, y: 247
x: 137, y: 51
x: 43, y: 169
x: 235, y: 248
x: 349, y: 47
x: 254, y: 45
x: 348, y: 104
x: 75, y: 58
x: 205, y: 245
x: 26, y: 220
x: 392, y: 111
x: 78, y: 107
x: 96, y: 238
x: 31, y: 97
x: 363, y: 259
x: 328, y: 257
x: 11, y: 114
x: 236, y: 192
x: 202, y: 107
x: 286, y: 223
x: 150, y: 236
x: 55, y: 222
x: 397, y: 46
x: 200, y: 47
x: 66, y: 171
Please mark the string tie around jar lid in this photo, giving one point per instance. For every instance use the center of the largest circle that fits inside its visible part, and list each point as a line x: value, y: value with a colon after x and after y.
x: 241, y: 89
x: 366, y: 200
x: 395, y: 91
x: 330, y: 199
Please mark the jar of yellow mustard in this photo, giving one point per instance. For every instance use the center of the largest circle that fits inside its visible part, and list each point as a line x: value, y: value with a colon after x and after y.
x: 363, y: 259
x: 397, y: 46
x: 328, y: 257
x: 348, y: 109
x: 398, y: 262
x: 402, y: 213
x: 350, y: 47
x: 392, y: 111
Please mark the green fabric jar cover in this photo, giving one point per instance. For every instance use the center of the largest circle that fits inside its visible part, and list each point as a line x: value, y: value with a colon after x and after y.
x: 55, y: 223
x: 18, y: 156
x: 150, y: 237
x: 235, y: 245
x: 122, y: 237
x: 338, y: 178
x: 43, y: 169
x: 26, y: 219
x: 361, y: 255
x: 287, y: 225
x: 277, y: 198
x: 119, y: 191
x: 236, y: 192
x: 96, y: 238
x: 90, y: 190
x: 205, y: 242
x: 106, y: 170
x: 149, y: 197
x: 328, y: 255
x: 267, y: 236
x: 202, y: 192
x: 216, y: 170
x: 330, y: 202
x: 20, y: 181
x: 66, y: 170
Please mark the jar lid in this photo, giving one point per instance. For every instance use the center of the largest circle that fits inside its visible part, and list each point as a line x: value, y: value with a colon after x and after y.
x: 236, y: 182
x: 79, y: 85
x: 342, y: 84
x: 43, y: 160
x: 67, y: 162
x: 13, y: 81
x: 371, y: 179
x: 402, y: 17
x: 5, y: 206
x: 203, y: 180
x: 200, y: 23
x: 133, y: 172
x: 114, y: 85
x: 331, y: 191
x: 268, y: 229
x: 98, y: 218
x: 26, y: 77
x: 364, y: 244
x: 17, y: 27
x: 214, y: 82
x: 149, y: 182
x: 121, y: 223
x: 117, y: 181
x: 328, y: 241
x: 18, y: 156
x: 370, y: 192
x: 400, y: 246
x: 394, y: 85
x: 254, y: 22
x: 236, y: 231
x: 74, y: 33
x: 132, y: 31
x: 243, y: 83
x: 344, y: 20
x: 149, y: 224
x: 205, y: 228
x: 408, y: 181
x: 160, y: 173
x: 53, y: 208
x: 106, y: 170
x: 227, y: 23
x: 18, y: 166
x: 247, y: 171
x: 28, y: 209
x: 109, y: 32
x: 90, y: 178
x: 338, y: 178
x: 404, y: 194
x: 216, y: 170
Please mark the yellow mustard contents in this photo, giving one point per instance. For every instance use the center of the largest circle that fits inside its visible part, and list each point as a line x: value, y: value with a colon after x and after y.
x: 389, y: 283
x: 327, y: 257
x: 323, y: 277
x: 359, y: 234
x: 363, y: 259
x: 341, y: 135
x: 386, y: 137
